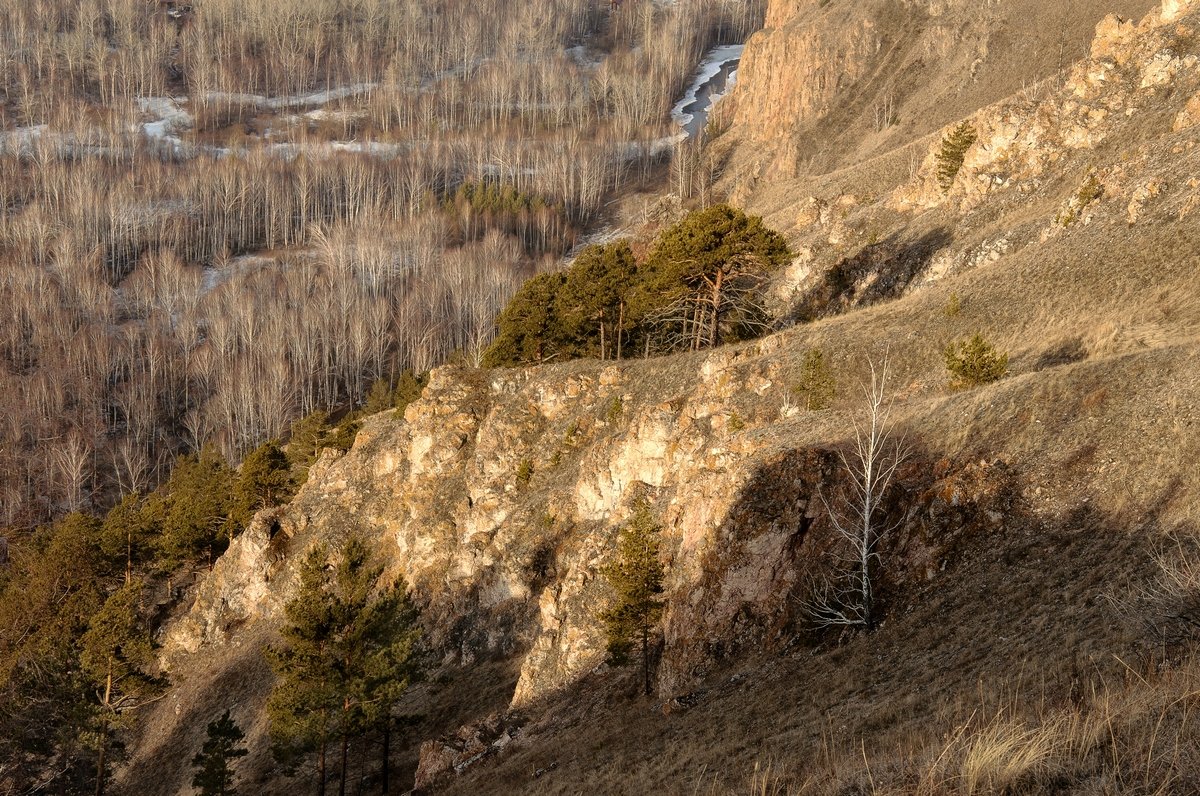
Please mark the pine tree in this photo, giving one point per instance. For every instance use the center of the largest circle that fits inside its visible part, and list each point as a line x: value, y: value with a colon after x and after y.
x: 265, y: 480
x: 817, y: 387
x: 214, y: 776
x: 590, y: 305
x: 953, y: 152
x: 348, y: 655
x: 115, y: 653
x: 408, y: 389
x: 973, y: 362
x: 528, y: 330
x: 304, y: 443
x: 701, y: 282
x: 127, y: 534
x: 637, y: 578
x: 192, y: 508
x: 47, y: 706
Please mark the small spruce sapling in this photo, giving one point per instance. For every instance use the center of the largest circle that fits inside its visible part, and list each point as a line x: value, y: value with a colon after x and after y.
x: 637, y: 578
x: 973, y: 362
x: 817, y: 387
x: 214, y: 774
x: 953, y: 153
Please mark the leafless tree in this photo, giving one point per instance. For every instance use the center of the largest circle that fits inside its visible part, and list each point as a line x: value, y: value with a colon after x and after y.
x: 870, y: 466
x: 165, y: 297
x: 72, y: 462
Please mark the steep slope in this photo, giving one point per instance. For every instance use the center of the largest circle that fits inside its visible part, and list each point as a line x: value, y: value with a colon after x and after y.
x: 828, y: 83
x: 1029, y: 509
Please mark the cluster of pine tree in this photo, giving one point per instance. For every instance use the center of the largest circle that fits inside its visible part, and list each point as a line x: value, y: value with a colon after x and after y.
x: 348, y: 654
x: 76, y: 653
x: 700, y: 286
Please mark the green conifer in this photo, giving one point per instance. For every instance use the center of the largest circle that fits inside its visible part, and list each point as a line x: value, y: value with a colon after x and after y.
x: 127, y: 536
x: 816, y: 387
x: 214, y: 774
x: 709, y: 267
x: 304, y: 444
x: 953, y: 152
x: 973, y: 362
x: 192, y: 508
x: 115, y: 654
x: 637, y: 578
x: 349, y: 652
x: 265, y: 480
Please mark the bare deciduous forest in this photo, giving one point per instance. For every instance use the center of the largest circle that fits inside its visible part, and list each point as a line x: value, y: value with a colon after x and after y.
x: 218, y: 217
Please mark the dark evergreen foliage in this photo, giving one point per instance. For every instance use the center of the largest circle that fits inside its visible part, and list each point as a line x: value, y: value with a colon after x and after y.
x: 637, y: 578
x: 973, y: 362
x: 349, y: 652
x: 265, y: 480
x: 192, y: 508
x: 222, y: 746
x: 953, y: 152
x: 115, y: 654
x: 699, y: 287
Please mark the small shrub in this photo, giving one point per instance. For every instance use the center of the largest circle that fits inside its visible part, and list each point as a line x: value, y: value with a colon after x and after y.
x: 953, y: 152
x: 342, y: 437
x: 616, y: 407
x: 408, y: 389
x: 379, y: 397
x: 1090, y: 192
x: 524, y: 472
x: 736, y: 423
x: 817, y: 387
x: 953, y: 306
x: 973, y: 362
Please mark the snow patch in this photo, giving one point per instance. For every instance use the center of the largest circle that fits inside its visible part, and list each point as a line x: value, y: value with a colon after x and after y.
x: 297, y: 101
x: 22, y: 140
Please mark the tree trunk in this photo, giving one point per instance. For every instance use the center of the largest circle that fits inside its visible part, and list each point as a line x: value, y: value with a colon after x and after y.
x: 100, y: 759
x: 620, y: 328
x: 321, y: 768
x: 716, y: 308
x: 103, y: 742
x: 386, y: 754
x: 345, y: 755
x: 646, y: 660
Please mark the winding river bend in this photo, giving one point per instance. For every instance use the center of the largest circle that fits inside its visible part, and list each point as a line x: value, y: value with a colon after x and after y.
x: 715, y: 77
x: 168, y: 117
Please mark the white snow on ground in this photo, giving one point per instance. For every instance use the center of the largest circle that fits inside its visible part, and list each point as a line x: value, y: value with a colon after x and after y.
x: 21, y: 140
x: 709, y: 68
x: 298, y: 101
x: 168, y: 117
x: 600, y: 237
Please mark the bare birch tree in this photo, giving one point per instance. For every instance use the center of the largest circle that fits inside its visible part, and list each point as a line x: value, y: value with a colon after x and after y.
x: 871, y: 464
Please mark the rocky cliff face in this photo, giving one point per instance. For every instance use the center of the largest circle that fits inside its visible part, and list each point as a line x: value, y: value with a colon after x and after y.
x: 828, y: 82
x: 506, y: 567
x: 1110, y: 138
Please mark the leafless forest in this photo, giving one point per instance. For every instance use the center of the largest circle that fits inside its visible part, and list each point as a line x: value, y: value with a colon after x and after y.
x: 217, y: 217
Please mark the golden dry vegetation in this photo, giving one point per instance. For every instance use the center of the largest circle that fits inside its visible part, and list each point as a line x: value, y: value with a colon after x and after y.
x: 217, y: 216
